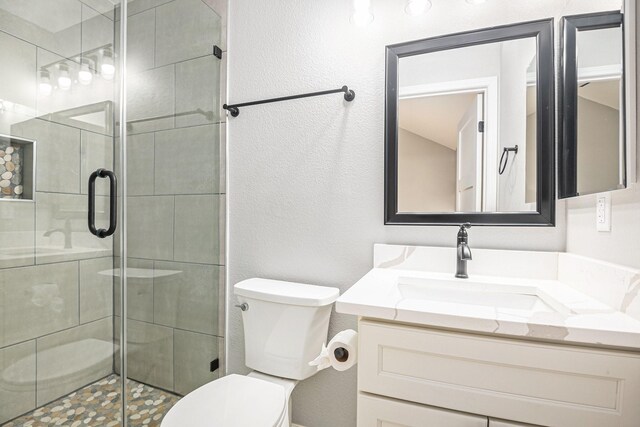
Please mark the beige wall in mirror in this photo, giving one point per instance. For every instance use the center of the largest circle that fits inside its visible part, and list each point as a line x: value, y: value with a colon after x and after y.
x: 459, y: 110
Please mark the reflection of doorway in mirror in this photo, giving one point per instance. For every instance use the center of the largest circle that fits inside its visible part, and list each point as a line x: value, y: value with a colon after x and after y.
x: 600, y: 152
x: 469, y: 157
x: 446, y: 138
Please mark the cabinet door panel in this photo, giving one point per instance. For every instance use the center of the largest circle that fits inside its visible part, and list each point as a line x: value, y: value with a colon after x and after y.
x: 503, y: 423
x: 542, y: 384
x: 375, y: 411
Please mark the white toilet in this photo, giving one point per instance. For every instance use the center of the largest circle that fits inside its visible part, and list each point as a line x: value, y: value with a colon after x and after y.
x: 285, y: 325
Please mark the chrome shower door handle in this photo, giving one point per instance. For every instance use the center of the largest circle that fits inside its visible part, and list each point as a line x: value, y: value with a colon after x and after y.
x: 113, y: 203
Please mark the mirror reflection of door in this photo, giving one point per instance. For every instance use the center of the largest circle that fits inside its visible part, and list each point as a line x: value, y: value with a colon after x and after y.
x: 469, y: 157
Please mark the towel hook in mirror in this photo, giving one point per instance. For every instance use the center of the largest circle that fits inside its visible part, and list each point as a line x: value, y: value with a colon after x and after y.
x: 505, y: 152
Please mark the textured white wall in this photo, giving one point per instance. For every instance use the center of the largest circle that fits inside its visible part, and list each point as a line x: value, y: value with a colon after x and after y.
x: 622, y: 244
x: 306, y: 176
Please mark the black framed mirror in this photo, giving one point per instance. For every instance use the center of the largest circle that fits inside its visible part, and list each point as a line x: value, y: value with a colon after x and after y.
x: 469, y: 128
x: 592, y: 144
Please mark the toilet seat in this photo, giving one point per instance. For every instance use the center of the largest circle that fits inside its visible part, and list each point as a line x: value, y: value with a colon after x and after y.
x: 231, y: 401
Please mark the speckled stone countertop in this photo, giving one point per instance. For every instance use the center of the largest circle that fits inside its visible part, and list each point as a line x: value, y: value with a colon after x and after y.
x: 540, y: 295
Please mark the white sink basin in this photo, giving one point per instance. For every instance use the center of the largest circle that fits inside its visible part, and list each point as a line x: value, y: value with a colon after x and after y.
x: 531, y: 308
x: 536, y: 295
x: 466, y: 292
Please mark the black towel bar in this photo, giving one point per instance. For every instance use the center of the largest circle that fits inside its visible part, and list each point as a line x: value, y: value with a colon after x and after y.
x: 234, y: 109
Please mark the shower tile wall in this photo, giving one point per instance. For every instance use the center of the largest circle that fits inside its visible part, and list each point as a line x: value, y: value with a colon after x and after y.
x: 56, y: 309
x: 176, y: 195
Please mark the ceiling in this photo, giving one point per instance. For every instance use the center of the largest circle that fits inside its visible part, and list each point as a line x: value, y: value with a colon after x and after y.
x: 435, y: 117
x: 52, y: 16
x: 606, y: 92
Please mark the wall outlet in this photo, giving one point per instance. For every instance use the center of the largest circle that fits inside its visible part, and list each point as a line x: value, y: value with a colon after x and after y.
x: 603, y: 212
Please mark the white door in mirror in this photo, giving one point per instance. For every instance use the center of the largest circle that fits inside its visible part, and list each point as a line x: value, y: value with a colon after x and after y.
x: 469, y: 159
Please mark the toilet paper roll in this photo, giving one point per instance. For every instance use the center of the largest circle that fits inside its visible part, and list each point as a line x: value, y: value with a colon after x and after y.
x: 341, y: 353
x: 343, y: 350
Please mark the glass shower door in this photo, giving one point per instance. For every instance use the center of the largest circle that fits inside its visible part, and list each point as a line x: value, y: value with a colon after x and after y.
x: 175, y: 202
x: 75, y: 228
x: 58, y: 105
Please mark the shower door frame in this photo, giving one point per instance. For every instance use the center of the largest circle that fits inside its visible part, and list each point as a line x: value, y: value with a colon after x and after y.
x: 122, y: 158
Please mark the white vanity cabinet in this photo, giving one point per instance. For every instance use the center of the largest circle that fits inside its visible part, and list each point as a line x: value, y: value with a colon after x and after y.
x: 502, y: 423
x: 417, y: 376
x: 383, y: 412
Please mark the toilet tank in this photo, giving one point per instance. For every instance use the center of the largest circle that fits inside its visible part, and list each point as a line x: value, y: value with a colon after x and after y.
x: 285, y: 325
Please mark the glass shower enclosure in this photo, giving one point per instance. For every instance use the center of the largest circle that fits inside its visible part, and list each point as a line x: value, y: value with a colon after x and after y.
x: 111, y: 208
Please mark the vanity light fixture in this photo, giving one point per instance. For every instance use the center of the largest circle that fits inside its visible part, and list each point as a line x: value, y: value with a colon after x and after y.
x: 45, y: 83
x: 107, y: 69
x: 417, y: 7
x: 85, y: 75
x: 64, y: 80
x: 362, y: 13
x: 58, y: 75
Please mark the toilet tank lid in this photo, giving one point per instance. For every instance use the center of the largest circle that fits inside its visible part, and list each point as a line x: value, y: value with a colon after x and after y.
x: 286, y: 292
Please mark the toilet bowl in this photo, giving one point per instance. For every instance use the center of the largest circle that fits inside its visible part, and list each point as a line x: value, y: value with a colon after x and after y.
x: 285, y: 325
x: 233, y: 401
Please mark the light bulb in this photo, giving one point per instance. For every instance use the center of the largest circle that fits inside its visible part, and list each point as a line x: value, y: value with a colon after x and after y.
x: 107, y: 69
x: 85, y: 76
x: 361, y: 4
x: 45, y: 83
x: 64, y: 80
x: 417, y: 7
x: 362, y: 19
x: 362, y: 13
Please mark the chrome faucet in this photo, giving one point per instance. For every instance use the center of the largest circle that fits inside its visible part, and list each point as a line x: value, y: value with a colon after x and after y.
x: 464, y: 252
x: 66, y: 231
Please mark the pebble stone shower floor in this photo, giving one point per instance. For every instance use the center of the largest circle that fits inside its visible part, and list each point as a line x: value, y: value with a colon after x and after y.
x: 96, y: 405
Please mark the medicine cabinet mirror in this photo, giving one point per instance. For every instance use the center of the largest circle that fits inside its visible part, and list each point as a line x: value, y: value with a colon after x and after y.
x: 470, y: 128
x: 592, y: 149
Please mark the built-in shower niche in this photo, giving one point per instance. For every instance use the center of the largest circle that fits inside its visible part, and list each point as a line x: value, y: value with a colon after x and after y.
x: 17, y: 166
